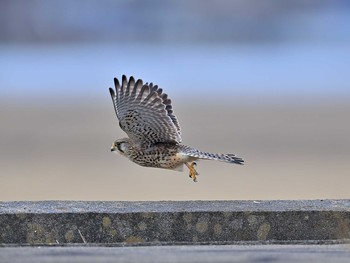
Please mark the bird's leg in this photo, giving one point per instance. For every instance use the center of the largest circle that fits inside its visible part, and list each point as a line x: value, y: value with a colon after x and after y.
x: 193, y: 171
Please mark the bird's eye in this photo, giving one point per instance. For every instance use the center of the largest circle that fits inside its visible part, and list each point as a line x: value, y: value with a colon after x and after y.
x: 120, y: 147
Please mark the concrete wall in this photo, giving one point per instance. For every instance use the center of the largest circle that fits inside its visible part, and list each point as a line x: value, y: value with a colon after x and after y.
x: 189, y: 222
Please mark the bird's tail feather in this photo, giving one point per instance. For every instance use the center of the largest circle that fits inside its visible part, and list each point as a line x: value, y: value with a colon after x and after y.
x: 228, y: 158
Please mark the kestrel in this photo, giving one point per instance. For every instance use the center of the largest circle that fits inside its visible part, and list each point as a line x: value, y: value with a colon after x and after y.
x: 146, y: 115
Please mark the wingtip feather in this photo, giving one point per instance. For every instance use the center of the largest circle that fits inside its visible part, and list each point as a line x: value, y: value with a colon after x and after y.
x: 111, y: 91
x: 116, y: 83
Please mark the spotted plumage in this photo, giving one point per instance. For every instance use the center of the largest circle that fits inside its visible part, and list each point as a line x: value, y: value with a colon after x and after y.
x: 154, y: 135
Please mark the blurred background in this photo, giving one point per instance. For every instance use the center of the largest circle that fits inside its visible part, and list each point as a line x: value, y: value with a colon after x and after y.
x: 266, y: 80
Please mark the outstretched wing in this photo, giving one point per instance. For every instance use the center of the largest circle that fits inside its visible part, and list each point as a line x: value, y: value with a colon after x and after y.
x: 145, y: 112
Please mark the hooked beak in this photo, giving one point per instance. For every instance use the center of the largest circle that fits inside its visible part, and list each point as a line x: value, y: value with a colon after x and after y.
x: 113, y: 149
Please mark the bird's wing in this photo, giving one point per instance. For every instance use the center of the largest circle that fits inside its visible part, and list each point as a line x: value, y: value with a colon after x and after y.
x: 145, y: 112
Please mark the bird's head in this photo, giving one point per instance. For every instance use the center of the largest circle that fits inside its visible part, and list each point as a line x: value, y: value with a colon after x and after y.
x: 121, y: 146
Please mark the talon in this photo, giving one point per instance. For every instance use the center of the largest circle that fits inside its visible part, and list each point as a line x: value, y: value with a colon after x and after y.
x: 193, y: 164
x: 193, y: 171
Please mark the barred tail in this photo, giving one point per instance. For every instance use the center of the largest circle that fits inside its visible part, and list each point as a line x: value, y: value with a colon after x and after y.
x: 228, y: 158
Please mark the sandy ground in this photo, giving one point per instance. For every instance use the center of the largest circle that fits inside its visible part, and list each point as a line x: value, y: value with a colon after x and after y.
x: 63, y: 152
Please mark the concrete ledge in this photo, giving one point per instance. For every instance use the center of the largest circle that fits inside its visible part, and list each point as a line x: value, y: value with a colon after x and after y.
x: 189, y: 222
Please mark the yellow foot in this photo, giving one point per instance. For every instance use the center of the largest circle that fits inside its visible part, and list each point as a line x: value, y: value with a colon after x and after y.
x: 193, y: 171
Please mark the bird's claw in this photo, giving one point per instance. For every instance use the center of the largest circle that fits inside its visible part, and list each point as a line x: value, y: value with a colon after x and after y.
x: 193, y: 171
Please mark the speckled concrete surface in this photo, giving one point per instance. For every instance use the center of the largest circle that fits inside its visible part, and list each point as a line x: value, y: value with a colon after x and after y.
x: 61, y: 222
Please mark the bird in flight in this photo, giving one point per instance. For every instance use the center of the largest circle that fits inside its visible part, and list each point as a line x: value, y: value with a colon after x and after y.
x: 146, y: 115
